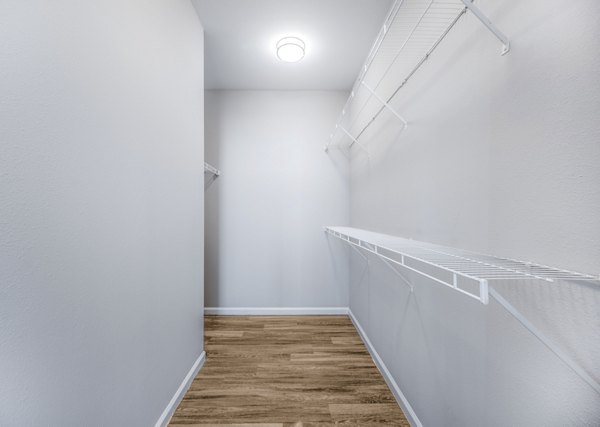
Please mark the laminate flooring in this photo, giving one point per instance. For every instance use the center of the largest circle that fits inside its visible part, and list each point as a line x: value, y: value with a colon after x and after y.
x: 277, y: 371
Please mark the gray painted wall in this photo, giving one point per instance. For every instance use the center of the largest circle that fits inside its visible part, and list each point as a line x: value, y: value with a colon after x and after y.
x: 265, y: 246
x: 501, y: 156
x: 101, y: 209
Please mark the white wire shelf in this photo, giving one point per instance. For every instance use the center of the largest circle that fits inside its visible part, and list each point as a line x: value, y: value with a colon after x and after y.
x: 211, y: 169
x: 455, y: 268
x: 460, y: 270
x: 411, y: 32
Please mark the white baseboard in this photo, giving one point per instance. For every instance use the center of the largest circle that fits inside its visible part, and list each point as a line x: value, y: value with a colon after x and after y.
x: 276, y: 311
x: 165, y: 417
x: 290, y: 311
x: 387, y: 376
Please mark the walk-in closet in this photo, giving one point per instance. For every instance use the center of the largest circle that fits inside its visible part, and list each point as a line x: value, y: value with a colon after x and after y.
x: 300, y: 213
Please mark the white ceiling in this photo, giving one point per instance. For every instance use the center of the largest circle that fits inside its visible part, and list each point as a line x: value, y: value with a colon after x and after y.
x: 240, y: 37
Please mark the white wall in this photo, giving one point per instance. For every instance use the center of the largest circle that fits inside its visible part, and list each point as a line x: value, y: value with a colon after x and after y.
x: 265, y: 246
x: 101, y: 209
x: 500, y: 156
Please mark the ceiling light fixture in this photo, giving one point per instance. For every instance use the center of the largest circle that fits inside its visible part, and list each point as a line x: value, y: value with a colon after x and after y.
x: 290, y: 49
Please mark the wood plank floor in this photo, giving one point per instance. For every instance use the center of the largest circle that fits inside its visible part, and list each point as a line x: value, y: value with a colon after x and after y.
x: 286, y: 371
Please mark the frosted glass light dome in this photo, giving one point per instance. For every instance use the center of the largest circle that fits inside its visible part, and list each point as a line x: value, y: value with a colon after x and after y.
x: 290, y: 49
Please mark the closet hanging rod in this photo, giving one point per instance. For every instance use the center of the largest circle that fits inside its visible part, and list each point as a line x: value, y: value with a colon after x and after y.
x: 423, y: 59
x: 411, y: 256
x: 421, y: 257
x: 410, y: 74
x: 427, y: 25
x: 452, y: 263
x: 362, y: 76
x: 354, y: 140
x: 368, y: 62
x: 385, y: 103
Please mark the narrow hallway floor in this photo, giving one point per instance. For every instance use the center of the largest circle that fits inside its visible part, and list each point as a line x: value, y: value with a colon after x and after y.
x: 286, y: 371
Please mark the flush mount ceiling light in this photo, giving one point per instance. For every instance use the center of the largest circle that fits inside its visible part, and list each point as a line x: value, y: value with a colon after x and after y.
x: 290, y: 49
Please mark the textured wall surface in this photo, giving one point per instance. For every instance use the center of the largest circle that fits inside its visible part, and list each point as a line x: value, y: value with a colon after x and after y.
x: 500, y: 156
x: 265, y: 246
x: 501, y: 152
x: 101, y: 209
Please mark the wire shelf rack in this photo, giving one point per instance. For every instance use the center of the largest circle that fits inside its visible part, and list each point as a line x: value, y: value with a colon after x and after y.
x: 411, y: 32
x: 455, y: 268
x: 211, y: 169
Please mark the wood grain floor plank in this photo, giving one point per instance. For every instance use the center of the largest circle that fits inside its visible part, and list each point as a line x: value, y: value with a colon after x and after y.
x: 281, y: 371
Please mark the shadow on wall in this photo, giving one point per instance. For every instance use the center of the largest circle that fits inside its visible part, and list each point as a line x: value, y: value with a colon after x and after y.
x: 212, y: 207
x: 452, y: 356
x: 209, y: 178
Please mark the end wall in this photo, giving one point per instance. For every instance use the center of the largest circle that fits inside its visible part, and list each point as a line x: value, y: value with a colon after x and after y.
x: 265, y: 246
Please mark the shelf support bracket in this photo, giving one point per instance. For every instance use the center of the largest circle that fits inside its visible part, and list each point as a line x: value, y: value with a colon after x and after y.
x: 484, y: 291
x: 385, y: 103
x: 211, y: 169
x: 363, y: 256
x: 354, y: 141
x: 489, y: 24
x: 395, y: 270
x: 540, y: 336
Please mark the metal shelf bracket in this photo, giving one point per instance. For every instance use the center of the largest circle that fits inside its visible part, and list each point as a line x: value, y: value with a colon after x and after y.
x: 355, y: 247
x: 212, y: 170
x: 489, y: 24
x: 547, y: 342
x: 459, y: 264
x: 385, y: 103
x: 422, y: 33
x: 354, y: 140
x: 395, y: 270
x: 364, y: 257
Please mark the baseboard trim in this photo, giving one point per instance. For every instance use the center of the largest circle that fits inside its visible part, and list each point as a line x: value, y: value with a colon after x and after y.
x: 290, y: 311
x: 165, y: 417
x: 387, y: 376
x: 276, y: 311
